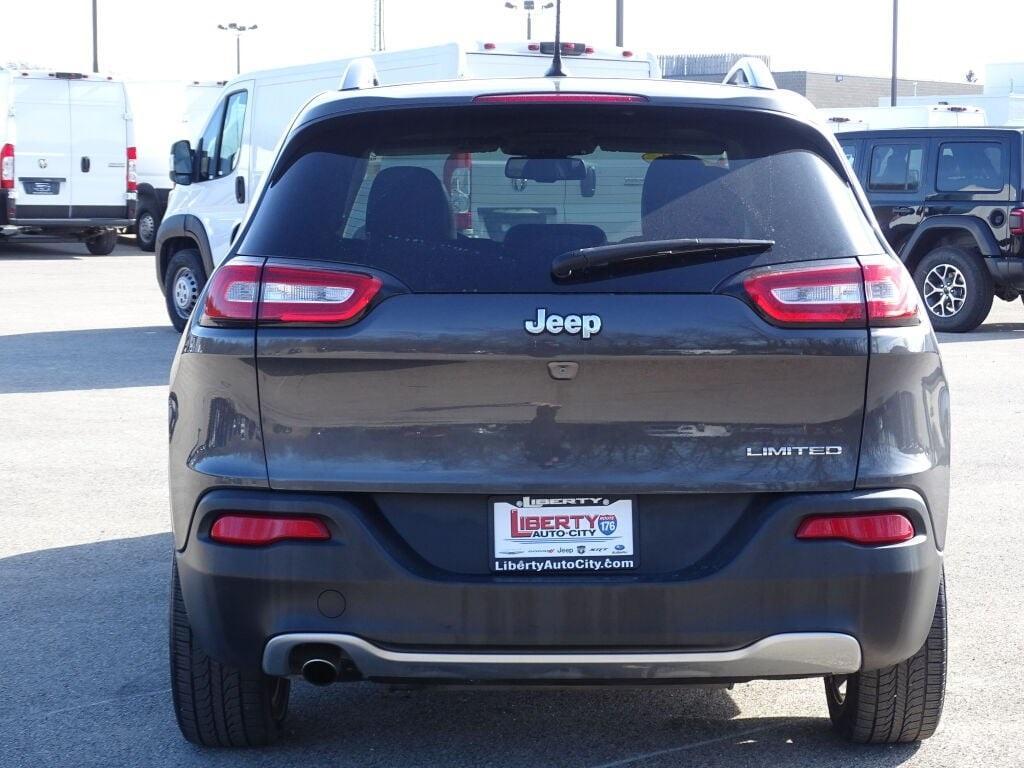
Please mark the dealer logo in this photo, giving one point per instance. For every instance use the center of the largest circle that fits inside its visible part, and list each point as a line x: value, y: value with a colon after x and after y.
x: 607, y: 524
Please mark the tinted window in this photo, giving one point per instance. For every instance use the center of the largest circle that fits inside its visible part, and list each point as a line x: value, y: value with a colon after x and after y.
x: 431, y: 197
x: 970, y: 167
x: 231, y: 137
x: 895, y: 168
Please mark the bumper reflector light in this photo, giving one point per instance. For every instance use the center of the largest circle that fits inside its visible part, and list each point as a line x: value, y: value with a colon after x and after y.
x: 260, y: 530
x: 875, y: 528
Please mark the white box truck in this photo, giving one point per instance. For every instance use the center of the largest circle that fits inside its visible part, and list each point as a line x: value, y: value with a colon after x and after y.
x: 67, y: 158
x: 164, y: 111
x: 237, y: 145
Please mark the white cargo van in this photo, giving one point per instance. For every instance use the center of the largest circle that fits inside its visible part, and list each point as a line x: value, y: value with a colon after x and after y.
x: 237, y: 145
x: 164, y: 111
x: 67, y: 157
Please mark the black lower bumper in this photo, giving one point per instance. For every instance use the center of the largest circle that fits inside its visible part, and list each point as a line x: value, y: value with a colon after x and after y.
x: 368, y: 583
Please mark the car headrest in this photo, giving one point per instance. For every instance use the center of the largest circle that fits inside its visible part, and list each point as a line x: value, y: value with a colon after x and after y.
x: 668, y: 180
x: 409, y: 202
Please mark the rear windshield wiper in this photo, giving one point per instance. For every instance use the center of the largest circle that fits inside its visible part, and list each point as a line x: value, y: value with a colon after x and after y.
x: 654, y: 252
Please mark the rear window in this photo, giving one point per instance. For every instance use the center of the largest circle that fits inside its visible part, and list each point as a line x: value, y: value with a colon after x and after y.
x: 483, y: 198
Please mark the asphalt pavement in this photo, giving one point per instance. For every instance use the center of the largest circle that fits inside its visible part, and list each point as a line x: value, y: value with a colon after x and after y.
x: 85, y: 348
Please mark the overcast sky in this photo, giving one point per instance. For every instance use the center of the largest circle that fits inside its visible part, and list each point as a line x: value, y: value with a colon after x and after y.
x: 940, y: 39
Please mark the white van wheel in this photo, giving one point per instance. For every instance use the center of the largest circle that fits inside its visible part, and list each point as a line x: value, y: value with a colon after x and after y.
x: 183, y: 282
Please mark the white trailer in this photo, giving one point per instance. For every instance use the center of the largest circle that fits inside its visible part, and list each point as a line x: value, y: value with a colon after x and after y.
x: 841, y: 120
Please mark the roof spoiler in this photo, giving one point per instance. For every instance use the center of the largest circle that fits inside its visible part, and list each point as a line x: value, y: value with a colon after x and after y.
x: 750, y: 72
x: 360, y: 73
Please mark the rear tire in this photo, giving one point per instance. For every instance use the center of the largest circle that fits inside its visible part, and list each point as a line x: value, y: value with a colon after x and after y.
x: 898, y: 704
x: 956, y: 289
x: 145, y: 229
x: 183, y: 282
x: 102, y: 245
x: 217, y: 705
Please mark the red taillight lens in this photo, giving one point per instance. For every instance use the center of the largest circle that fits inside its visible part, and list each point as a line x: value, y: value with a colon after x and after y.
x: 307, y: 295
x: 876, y: 528
x: 260, y: 530
x: 1017, y: 221
x: 132, y: 178
x: 244, y: 291
x: 560, y: 98
x: 231, y: 295
x: 877, y: 292
x: 890, y: 292
x: 7, y: 167
x: 816, y: 295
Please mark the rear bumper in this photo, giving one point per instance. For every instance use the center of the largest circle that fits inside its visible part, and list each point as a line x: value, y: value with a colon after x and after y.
x: 765, y: 605
x: 792, y: 655
x: 104, y: 223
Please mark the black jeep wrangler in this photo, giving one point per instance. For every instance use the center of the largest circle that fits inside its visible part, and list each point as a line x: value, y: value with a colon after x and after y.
x: 949, y: 200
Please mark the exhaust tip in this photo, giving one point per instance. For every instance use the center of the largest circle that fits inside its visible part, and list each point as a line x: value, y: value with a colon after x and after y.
x: 319, y: 672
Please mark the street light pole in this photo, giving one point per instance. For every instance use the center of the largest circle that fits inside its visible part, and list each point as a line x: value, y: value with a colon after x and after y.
x: 529, y: 6
x: 95, y: 41
x: 895, y: 38
x: 238, y: 29
x: 620, y: 13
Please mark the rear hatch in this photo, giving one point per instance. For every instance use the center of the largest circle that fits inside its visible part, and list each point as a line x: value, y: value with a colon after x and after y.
x: 476, y: 370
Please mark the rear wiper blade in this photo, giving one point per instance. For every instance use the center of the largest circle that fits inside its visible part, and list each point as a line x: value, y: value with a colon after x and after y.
x: 656, y: 252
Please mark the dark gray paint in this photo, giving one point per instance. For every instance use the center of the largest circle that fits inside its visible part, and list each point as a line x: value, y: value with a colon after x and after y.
x: 450, y: 393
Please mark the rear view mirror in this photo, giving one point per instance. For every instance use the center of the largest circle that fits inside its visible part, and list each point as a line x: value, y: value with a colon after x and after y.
x: 546, y: 170
x: 182, y: 162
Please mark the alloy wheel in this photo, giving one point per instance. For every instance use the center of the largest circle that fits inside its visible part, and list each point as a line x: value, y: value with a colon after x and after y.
x: 944, y: 290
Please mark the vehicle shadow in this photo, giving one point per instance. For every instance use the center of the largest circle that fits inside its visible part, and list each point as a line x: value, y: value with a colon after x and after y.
x: 104, y: 358
x: 25, y: 250
x: 84, y: 660
x: 987, y: 332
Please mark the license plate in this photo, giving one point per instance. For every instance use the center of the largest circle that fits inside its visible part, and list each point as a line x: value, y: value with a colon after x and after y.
x: 579, y: 534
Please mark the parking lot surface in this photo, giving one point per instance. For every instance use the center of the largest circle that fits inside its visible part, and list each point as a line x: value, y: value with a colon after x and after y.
x: 85, y: 348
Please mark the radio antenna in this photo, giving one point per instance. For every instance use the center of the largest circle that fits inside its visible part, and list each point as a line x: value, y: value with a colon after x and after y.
x: 555, y: 70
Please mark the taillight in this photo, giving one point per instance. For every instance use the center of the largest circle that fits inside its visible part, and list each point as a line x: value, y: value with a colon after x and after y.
x: 890, y: 292
x: 261, y: 530
x: 131, y: 178
x: 306, y: 295
x: 7, y: 167
x: 818, y: 295
x: 245, y: 292
x: 458, y: 181
x: 1017, y: 221
x: 232, y: 293
x: 560, y: 98
x: 877, y: 292
x: 871, y: 529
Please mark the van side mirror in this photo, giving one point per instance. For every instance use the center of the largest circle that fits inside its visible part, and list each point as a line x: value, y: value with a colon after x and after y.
x: 182, y: 163
x: 588, y: 184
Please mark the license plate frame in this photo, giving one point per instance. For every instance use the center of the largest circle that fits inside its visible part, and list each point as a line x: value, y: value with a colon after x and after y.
x: 581, y: 534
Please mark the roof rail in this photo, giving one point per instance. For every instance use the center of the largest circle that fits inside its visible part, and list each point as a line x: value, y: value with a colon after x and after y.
x: 360, y: 73
x: 751, y: 73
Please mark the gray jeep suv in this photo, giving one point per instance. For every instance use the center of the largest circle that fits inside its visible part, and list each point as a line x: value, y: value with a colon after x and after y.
x: 558, y: 380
